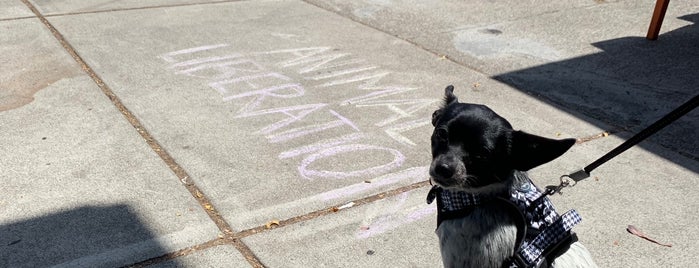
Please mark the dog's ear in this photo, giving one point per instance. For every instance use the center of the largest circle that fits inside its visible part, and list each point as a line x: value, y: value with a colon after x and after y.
x: 529, y: 151
x: 449, y: 96
x: 435, y: 116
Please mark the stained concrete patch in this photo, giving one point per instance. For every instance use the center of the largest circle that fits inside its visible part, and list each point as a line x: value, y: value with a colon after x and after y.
x: 80, y: 186
x: 491, y: 44
x: 37, y: 69
x: 395, y: 232
x: 219, y: 256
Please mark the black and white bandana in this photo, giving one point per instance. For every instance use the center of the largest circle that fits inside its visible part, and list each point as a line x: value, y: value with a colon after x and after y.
x: 538, y: 211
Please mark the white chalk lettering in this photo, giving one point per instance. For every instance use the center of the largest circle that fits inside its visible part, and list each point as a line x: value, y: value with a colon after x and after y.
x: 258, y: 91
x: 169, y: 57
x: 324, y: 144
x: 294, y: 113
x: 306, y: 130
x: 337, y: 151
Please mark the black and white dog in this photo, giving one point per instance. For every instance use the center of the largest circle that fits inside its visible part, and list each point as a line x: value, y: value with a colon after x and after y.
x: 490, y: 213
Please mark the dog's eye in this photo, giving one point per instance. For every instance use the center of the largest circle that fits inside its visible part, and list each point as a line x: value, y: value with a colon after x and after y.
x: 441, y: 134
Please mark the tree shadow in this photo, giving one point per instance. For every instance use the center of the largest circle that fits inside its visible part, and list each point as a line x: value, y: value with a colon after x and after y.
x: 90, y: 236
x: 628, y: 86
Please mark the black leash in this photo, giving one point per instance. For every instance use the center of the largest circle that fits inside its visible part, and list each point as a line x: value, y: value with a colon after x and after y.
x: 650, y: 130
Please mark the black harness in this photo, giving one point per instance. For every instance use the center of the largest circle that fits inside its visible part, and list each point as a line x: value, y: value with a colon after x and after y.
x: 542, y: 234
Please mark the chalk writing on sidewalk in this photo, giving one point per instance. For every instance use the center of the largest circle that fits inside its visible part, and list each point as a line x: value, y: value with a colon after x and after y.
x: 283, y: 87
x: 259, y: 82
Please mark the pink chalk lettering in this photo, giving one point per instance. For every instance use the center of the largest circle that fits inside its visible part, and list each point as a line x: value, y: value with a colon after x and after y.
x: 200, y: 61
x: 169, y: 57
x: 223, y: 70
x: 306, y: 130
x: 374, y: 95
x: 324, y: 144
x: 395, y: 131
x: 404, y: 177
x: 340, y: 73
x: 337, y: 151
x: 370, y: 80
x: 320, y: 62
x: 285, y: 91
x: 300, y: 54
x: 398, y: 216
x: 400, y: 108
x: 294, y: 113
x: 250, y: 81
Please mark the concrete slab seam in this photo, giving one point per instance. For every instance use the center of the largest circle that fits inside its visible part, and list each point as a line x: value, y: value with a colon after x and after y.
x: 142, y: 8
x: 183, y: 176
x: 260, y: 229
x: 179, y: 253
x: 421, y: 47
x: 17, y: 18
x: 330, y: 210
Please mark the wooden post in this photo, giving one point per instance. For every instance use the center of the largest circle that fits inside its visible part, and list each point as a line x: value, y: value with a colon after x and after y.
x: 657, y: 20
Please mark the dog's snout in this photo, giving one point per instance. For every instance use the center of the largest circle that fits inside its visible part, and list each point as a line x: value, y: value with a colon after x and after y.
x: 444, y: 170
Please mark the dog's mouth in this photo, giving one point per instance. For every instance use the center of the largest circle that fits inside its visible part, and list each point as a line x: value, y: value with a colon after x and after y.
x: 470, y: 183
x: 457, y: 181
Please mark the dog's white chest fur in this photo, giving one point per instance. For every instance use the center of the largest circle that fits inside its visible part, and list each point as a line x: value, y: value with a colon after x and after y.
x: 484, y: 238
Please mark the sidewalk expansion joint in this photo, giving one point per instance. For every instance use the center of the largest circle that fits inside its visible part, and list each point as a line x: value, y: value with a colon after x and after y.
x: 183, y: 176
x: 17, y: 18
x: 142, y: 8
x: 179, y: 253
x: 595, y: 136
x: 330, y: 210
x: 419, y: 46
x: 224, y: 240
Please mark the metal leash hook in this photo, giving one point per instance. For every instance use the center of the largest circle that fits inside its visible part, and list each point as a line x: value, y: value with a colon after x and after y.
x: 565, y: 181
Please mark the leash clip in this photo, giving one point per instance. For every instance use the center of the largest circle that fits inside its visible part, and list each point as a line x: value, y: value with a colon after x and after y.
x: 565, y: 181
x: 556, y: 189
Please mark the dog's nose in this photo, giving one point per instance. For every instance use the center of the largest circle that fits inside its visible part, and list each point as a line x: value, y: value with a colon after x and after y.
x: 444, y: 170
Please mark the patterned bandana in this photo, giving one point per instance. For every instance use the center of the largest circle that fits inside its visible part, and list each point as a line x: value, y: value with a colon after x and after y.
x: 545, y: 226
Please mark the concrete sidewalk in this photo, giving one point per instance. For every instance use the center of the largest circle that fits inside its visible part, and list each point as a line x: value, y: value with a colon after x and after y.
x: 296, y: 133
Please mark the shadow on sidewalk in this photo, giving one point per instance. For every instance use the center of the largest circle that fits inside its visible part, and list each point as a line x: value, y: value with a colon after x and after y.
x: 629, y: 85
x: 91, y: 236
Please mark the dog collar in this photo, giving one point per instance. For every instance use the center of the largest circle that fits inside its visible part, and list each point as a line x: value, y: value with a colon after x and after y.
x: 539, y: 227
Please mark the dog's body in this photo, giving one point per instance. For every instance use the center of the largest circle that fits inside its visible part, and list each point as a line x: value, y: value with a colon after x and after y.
x: 475, y: 151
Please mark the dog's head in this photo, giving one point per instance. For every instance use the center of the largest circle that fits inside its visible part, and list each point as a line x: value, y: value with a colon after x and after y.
x: 474, y: 149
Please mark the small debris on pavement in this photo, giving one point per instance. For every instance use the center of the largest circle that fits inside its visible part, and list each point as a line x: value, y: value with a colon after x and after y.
x: 348, y: 205
x: 271, y: 223
x: 635, y: 231
x: 370, y: 252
